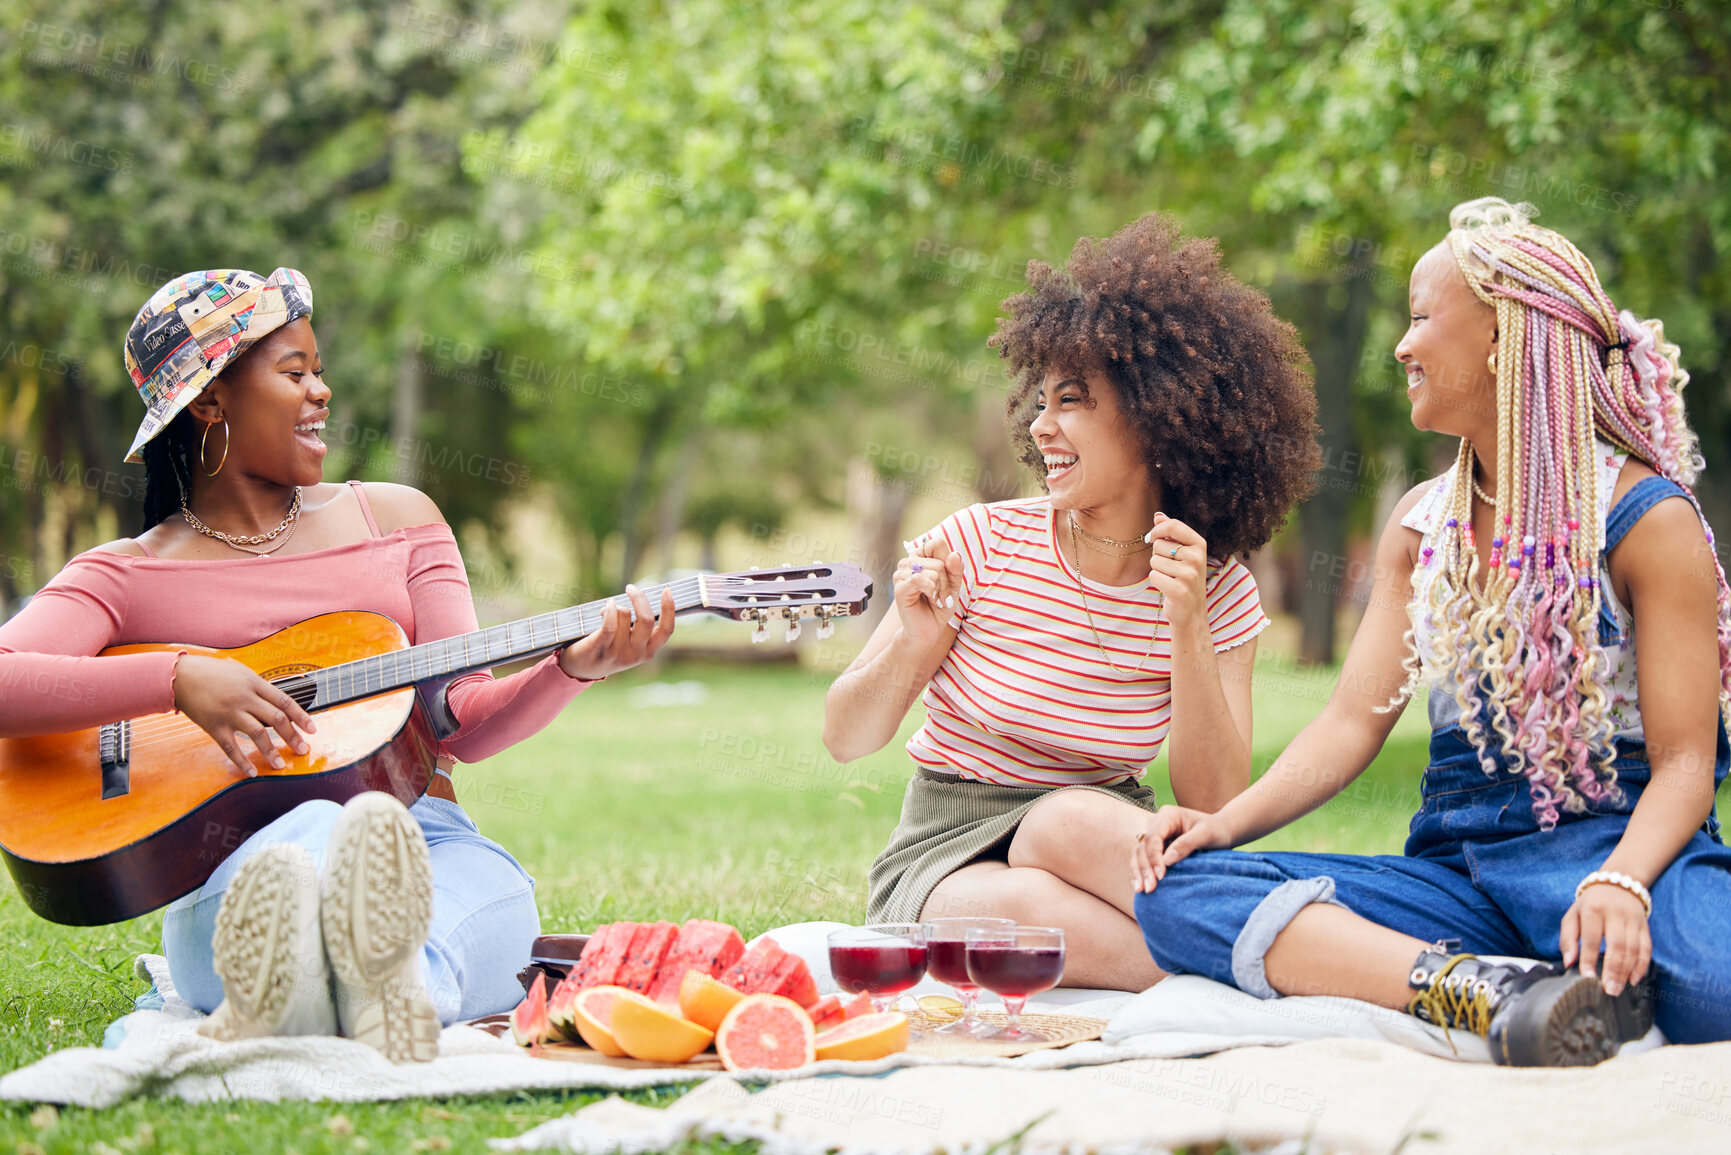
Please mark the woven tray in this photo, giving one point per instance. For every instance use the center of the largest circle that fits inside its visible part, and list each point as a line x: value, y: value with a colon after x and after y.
x: 1052, y: 1031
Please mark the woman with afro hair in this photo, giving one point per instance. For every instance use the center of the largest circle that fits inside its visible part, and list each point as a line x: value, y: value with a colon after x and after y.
x: 1059, y: 642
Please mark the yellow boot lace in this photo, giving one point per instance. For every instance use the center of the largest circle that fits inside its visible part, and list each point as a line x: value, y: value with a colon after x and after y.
x: 1460, y: 1002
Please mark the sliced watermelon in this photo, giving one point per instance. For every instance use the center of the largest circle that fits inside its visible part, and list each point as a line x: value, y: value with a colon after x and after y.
x: 825, y: 1013
x: 792, y: 979
x: 710, y: 947
x: 612, y: 955
x: 591, y: 951
x: 753, y: 972
x: 649, y: 948
x: 529, y: 1020
x: 861, y: 1005
x: 561, y: 1009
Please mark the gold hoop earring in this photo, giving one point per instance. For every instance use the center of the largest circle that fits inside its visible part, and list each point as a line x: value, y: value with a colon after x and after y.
x: 1491, y: 364
x: 206, y: 437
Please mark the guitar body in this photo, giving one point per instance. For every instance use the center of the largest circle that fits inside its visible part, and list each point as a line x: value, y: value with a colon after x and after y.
x: 175, y: 805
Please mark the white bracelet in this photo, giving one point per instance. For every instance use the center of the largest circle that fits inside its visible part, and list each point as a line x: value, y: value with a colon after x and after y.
x: 1618, y: 878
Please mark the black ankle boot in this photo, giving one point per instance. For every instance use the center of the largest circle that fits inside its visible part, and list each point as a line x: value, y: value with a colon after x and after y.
x: 1533, y: 1014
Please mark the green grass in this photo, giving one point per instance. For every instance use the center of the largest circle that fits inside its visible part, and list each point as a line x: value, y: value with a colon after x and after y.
x: 729, y: 809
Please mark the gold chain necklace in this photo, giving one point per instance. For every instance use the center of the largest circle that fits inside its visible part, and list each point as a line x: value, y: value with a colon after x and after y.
x: 1076, y: 528
x: 241, y: 543
x: 1076, y: 545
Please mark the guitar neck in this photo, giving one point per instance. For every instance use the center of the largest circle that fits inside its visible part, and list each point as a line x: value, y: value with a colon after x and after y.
x: 466, y: 653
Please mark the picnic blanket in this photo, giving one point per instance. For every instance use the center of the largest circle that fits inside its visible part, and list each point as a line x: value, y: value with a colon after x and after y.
x: 1331, y: 1095
x: 157, y: 1051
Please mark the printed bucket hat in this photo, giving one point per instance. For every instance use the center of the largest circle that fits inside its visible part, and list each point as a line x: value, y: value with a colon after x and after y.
x: 192, y: 327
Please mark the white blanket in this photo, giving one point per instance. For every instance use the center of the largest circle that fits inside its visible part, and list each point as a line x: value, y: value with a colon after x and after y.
x: 161, y: 1054
x: 1333, y: 1095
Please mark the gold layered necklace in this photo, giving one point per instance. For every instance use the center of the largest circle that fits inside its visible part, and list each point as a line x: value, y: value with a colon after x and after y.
x: 1077, y: 533
x: 244, y: 544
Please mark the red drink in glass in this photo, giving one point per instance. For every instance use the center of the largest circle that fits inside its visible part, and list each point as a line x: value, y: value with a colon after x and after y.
x: 883, y: 970
x: 1015, y: 972
x: 882, y: 960
x: 948, y: 963
x: 1014, y: 964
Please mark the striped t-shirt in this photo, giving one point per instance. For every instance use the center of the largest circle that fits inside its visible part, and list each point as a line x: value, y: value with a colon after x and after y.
x: 1024, y: 697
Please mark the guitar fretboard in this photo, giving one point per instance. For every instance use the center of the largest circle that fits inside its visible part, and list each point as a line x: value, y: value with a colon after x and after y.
x: 465, y: 653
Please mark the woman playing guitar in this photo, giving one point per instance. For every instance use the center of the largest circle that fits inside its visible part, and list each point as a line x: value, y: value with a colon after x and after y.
x: 421, y: 918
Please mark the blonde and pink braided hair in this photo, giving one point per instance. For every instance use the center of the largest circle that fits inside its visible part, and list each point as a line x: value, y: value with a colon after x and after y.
x: 1522, y: 654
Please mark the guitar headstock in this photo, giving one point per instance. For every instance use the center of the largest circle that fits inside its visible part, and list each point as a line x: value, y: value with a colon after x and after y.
x: 821, y: 590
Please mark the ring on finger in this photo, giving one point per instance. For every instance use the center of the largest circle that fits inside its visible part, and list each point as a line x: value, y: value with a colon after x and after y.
x: 916, y: 567
x: 1174, y: 552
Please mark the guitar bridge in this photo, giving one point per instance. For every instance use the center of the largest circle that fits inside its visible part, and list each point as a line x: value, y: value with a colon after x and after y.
x: 115, y: 747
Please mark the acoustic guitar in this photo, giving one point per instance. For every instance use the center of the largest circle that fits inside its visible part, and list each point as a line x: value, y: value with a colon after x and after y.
x: 106, y: 824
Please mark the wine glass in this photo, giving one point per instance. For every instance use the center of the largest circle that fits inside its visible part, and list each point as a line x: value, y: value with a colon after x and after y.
x: 947, y: 961
x: 883, y: 959
x: 1013, y: 963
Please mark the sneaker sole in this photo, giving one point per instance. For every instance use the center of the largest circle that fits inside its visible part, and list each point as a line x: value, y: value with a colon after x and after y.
x: 377, y: 906
x: 253, y: 946
x: 1569, y: 1021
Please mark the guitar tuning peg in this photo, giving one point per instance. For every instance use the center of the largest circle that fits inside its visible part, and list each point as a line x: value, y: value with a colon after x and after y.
x: 780, y: 577
x: 792, y: 630
x: 825, y: 629
x: 760, y: 634
x: 754, y: 568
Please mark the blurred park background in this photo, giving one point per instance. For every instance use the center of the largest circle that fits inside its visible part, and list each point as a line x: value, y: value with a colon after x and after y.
x: 639, y: 288
x: 636, y: 288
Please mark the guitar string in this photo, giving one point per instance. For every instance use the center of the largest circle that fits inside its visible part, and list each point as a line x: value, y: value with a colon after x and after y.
x: 347, y: 671
x: 177, y: 723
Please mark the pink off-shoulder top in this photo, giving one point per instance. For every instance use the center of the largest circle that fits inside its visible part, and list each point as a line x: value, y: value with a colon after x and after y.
x: 52, y: 681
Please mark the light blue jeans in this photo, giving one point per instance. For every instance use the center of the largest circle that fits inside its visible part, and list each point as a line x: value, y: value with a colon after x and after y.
x: 484, y: 917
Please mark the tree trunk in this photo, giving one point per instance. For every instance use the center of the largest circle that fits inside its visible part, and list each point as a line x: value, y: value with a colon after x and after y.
x: 639, y: 488
x: 671, y: 514
x: 406, y: 398
x: 1332, y: 317
x: 877, y: 509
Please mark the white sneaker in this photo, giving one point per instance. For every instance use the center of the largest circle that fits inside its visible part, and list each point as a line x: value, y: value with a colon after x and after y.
x: 376, y: 907
x: 269, y: 951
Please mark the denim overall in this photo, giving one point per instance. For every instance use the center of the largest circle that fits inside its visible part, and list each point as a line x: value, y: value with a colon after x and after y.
x: 1477, y: 868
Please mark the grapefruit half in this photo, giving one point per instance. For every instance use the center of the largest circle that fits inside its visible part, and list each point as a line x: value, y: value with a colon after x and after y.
x: 766, y: 1033
x: 868, y: 1037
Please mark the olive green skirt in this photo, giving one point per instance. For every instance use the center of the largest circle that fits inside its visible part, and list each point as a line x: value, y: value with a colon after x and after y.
x: 948, y: 822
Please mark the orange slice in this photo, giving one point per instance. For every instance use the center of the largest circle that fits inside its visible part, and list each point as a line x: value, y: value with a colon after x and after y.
x: 705, y: 1000
x: 867, y: 1037
x: 766, y: 1033
x: 646, y: 1030
x: 594, y: 1016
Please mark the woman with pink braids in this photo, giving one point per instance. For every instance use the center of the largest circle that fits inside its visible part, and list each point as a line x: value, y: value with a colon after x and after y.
x: 1564, y: 885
